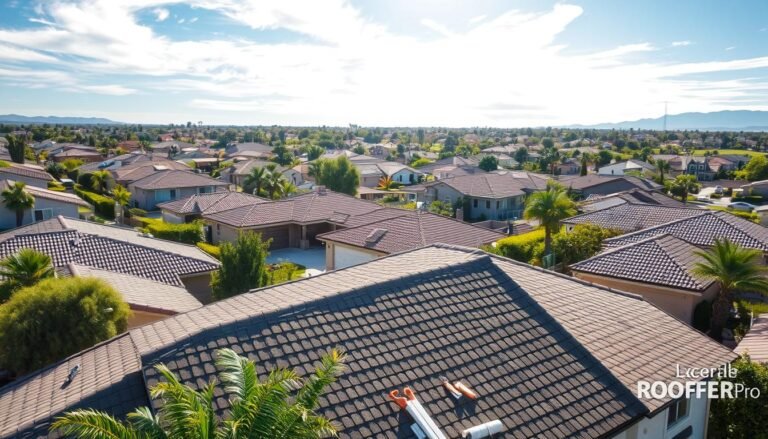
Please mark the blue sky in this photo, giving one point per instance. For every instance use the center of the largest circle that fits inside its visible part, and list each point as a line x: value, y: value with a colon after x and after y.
x: 374, y: 62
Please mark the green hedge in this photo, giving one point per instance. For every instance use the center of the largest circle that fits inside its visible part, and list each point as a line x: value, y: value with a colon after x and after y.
x: 189, y: 233
x: 524, y: 248
x: 213, y: 250
x: 103, y: 206
x: 752, y: 199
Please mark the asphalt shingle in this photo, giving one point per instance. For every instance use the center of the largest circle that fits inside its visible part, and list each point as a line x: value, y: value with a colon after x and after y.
x: 630, y: 217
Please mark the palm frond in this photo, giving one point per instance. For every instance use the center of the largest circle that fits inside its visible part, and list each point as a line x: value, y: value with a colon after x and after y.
x: 146, y: 423
x: 93, y: 424
x: 330, y: 367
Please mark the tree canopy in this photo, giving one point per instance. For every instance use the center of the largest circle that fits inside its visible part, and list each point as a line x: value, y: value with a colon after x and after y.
x: 756, y: 169
x: 338, y: 175
x: 243, y: 266
x: 17, y: 199
x: 23, y: 269
x: 56, y: 318
x: 550, y: 207
x: 489, y: 163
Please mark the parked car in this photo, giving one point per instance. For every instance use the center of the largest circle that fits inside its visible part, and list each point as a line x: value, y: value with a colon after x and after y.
x: 719, y: 190
x: 740, y: 205
x: 704, y: 199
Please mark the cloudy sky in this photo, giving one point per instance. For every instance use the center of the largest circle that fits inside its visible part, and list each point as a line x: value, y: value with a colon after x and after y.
x: 377, y: 62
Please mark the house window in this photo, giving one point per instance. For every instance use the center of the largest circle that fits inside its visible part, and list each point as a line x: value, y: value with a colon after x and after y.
x: 677, y: 412
x: 205, y: 190
x: 400, y: 178
x: 487, y: 204
x: 474, y: 202
x: 43, y: 214
x: 498, y: 204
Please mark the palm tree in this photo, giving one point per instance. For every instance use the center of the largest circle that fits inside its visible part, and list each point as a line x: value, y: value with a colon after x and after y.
x: 256, y: 179
x: 734, y: 268
x: 273, y: 182
x: 17, y: 198
x: 260, y: 409
x: 662, y: 166
x: 26, y: 268
x: 385, y: 183
x: 99, y: 180
x: 313, y: 169
x: 550, y: 207
x: 286, y: 188
x: 682, y: 185
x: 585, y: 159
x: 122, y: 197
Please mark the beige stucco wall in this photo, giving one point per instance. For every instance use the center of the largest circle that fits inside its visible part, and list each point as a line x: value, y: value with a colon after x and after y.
x: 199, y: 285
x: 141, y: 318
x: 678, y: 303
x: 339, y: 256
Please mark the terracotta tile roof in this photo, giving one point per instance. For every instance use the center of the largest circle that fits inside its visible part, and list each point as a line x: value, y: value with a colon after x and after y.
x: 109, y: 248
x: 407, y: 230
x: 211, y: 203
x: 630, y: 217
x: 171, y: 179
x: 660, y: 260
x: 702, y: 230
x: 307, y: 208
x: 501, y: 184
x: 140, y: 293
x: 755, y: 343
x: 527, y: 340
x: 15, y: 170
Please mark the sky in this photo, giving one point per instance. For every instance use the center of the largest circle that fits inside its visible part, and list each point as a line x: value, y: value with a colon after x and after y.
x: 381, y: 62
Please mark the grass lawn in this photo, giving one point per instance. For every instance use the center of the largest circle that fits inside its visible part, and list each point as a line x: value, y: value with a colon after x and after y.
x: 701, y: 152
x: 283, y: 272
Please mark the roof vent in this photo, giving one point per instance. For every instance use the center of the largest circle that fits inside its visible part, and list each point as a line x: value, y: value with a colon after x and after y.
x: 375, y: 235
x: 320, y: 189
x: 160, y: 167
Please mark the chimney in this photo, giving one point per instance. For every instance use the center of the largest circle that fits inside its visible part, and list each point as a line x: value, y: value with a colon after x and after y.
x: 320, y: 189
x: 460, y: 214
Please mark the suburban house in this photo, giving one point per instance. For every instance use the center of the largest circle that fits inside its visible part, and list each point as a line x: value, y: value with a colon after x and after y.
x: 170, y: 147
x: 191, y: 208
x: 116, y: 249
x: 571, y: 166
x: 702, y: 230
x: 291, y: 222
x: 372, y: 173
x: 115, y: 162
x: 168, y: 185
x: 498, y: 195
x: 248, y: 151
x: 87, y: 154
x: 631, y: 166
x: 150, y: 301
x: 387, y: 231
x: 448, y: 167
x: 31, y: 175
x: 633, y: 196
x: 659, y: 268
x: 629, y: 217
x: 548, y: 355
x: 138, y: 169
x: 48, y: 204
x: 753, y: 188
x: 594, y: 184
x: 238, y: 172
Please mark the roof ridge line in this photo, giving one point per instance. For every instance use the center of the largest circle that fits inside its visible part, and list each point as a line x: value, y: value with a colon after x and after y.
x: 704, y: 212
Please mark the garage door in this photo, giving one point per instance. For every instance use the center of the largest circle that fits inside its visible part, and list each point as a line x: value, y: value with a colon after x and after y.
x: 279, y: 236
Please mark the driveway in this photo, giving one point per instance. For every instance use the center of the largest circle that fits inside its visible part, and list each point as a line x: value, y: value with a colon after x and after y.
x: 312, y: 258
x: 708, y: 191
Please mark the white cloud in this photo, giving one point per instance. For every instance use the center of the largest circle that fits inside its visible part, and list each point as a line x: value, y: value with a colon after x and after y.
x: 11, y: 53
x: 193, y: 20
x: 161, y: 14
x: 681, y: 43
x: 729, y: 48
x: 181, y: 20
x: 341, y: 71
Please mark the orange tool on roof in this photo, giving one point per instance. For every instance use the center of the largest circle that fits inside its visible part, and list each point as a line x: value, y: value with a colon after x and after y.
x: 466, y: 391
x: 414, y: 408
x: 453, y: 391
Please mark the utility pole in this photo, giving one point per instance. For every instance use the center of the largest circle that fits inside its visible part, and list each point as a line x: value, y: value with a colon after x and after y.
x: 665, y: 116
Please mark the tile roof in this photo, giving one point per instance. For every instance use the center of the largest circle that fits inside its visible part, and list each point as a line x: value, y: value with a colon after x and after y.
x: 109, y: 248
x: 702, y: 230
x: 755, y: 343
x: 143, y: 168
x: 77, y: 152
x: 501, y: 184
x: 140, y: 293
x: 407, y: 230
x: 211, y: 203
x: 171, y: 179
x: 595, y: 202
x: 593, y: 180
x: 306, y: 208
x: 660, y: 260
x: 15, y: 169
x: 527, y: 340
x: 39, y: 192
x: 630, y: 217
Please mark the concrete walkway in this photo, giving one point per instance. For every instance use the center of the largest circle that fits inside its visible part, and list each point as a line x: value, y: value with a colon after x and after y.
x: 312, y: 258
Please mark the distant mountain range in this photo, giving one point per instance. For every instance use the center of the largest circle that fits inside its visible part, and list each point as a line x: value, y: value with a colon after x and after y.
x: 738, y: 120
x: 15, y: 118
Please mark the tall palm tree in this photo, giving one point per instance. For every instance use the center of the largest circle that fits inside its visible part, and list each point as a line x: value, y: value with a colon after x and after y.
x: 273, y: 182
x: 122, y: 197
x: 313, y: 169
x: 662, y: 166
x: 26, y: 267
x: 268, y: 408
x: 550, y: 207
x: 17, y: 198
x: 585, y: 159
x: 256, y: 178
x: 99, y: 180
x: 734, y: 268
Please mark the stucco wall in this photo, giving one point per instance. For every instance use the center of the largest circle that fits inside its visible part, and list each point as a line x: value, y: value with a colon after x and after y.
x: 656, y: 427
x: 346, y: 256
x: 141, y: 318
x: 199, y: 285
x: 8, y: 217
x: 31, y: 181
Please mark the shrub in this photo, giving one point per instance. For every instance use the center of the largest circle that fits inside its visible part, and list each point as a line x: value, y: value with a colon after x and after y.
x: 56, y: 186
x: 584, y: 241
x: 187, y: 233
x: 211, y: 249
x: 243, y: 266
x: 523, y: 247
x: 752, y: 199
x: 58, y: 317
x: 420, y: 162
x: 85, y: 180
x: 4, y: 164
x: 701, y: 316
x: 136, y: 212
x: 102, y: 205
x: 742, y: 417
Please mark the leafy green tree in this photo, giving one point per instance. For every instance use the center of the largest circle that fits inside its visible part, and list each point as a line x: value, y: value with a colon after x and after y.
x: 55, y: 169
x: 742, y: 418
x: 17, y: 199
x: 338, y: 175
x: 604, y: 157
x: 99, y: 180
x: 314, y: 152
x: 584, y: 241
x: 243, y: 266
x: 256, y: 179
x: 683, y: 185
x: 489, y: 163
x: 734, y: 268
x: 756, y: 169
x: 278, y: 405
x: 441, y: 208
x: 547, y: 142
x: 24, y: 269
x: 16, y: 146
x: 521, y: 155
x: 56, y: 318
x: 549, y: 207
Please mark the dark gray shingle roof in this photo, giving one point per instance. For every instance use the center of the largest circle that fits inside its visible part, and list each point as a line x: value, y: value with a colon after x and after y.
x: 211, y: 203
x: 630, y: 217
